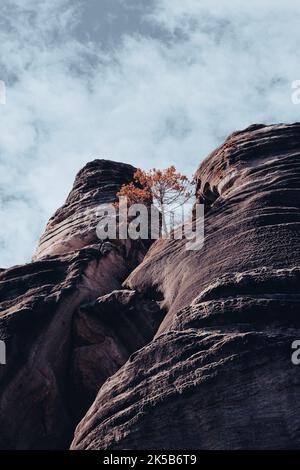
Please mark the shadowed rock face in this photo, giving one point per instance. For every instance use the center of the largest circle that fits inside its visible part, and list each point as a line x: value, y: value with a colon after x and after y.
x: 218, y: 374
x: 106, y: 333
x: 189, y: 350
x: 58, y: 345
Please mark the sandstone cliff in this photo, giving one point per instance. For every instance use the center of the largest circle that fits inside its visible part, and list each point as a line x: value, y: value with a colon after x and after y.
x: 187, y: 350
x: 61, y: 345
x: 219, y: 374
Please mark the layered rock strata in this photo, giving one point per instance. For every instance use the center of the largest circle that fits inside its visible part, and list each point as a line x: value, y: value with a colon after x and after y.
x: 45, y: 317
x: 218, y: 374
x: 186, y: 349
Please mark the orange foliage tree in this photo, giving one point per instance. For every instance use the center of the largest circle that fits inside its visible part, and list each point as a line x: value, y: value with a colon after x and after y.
x: 167, y: 189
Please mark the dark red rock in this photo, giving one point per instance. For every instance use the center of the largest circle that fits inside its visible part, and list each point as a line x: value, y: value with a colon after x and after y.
x: 39, y: 305
x: 106, y: 333
x: 218, y: 374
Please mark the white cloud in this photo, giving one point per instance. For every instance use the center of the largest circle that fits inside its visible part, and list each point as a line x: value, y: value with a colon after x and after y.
x: 151, y: 101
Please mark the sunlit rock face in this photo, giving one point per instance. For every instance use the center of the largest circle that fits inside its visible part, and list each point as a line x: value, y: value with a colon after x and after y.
x: 48, y: 325
x: 218, y: 374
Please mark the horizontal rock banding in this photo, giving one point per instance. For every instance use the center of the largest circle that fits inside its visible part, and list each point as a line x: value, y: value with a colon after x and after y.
x: 84, y: 316
x: 39, y: 305
x: 73, y: 226
x: 219, y: 374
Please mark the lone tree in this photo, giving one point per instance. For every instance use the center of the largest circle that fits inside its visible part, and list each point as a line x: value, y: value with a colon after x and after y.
x: 167, y: 189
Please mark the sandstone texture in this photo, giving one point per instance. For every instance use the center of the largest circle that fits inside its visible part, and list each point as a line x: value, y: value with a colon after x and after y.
x: 218, y: 374
x: 73, y: 226
x: 115, y: 345
x: 43, y: 324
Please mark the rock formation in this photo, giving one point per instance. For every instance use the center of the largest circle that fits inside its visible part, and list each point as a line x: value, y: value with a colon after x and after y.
x: 218, y: 374
x: 50, y: 332
x: 184, y: 349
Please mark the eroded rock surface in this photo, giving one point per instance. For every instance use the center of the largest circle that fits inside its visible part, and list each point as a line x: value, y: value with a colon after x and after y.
x: 188, y: 349
x: 106, y: 333
x: 41, y: 317
x: 218, y: 374
x: 73, y: 226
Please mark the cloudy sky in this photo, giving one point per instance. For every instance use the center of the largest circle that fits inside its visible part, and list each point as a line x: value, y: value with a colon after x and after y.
x: 148, y: 82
